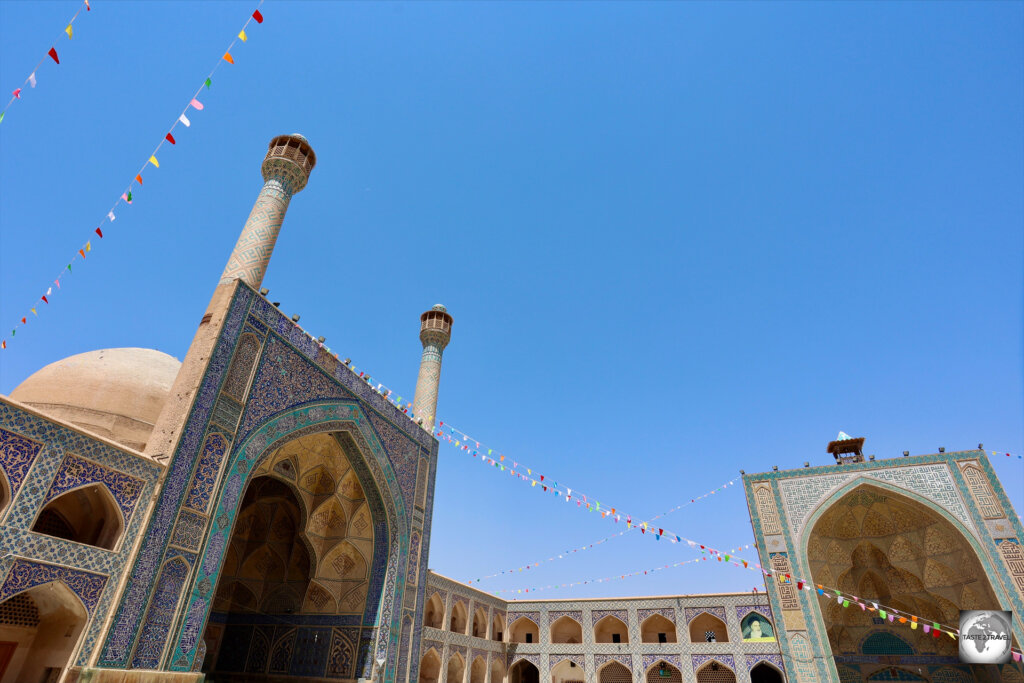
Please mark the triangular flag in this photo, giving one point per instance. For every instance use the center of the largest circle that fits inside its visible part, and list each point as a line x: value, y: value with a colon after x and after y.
x: 3, y: 344
x: 23, y: 322
x: 17, y: 93
x: 184, y: 120
x: 208, y: 83
x: 82, y: 253
x: 153, y: 161
x: 49, y: 291
x: 88, y: 246
x: 111, y: 216
x: 258, y: 17
x: 99, y: 232
x: 170, y: 139
x: 196, y: 104
x: 228, y: 58
x: 124, y: 198
x: 241, y: 34
x: 53, y: 53
x: 87, y: 8
x: 33, y: 311
x: 44, y: 298
x: 138, y: 179
x: 32, y: 79
x: 68, y: 31
x: 57, y: 282
x: 2, y: 114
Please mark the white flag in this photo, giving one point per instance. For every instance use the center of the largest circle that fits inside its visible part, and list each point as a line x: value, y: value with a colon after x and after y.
x: 184, y: 120
x: 110, y: 215
x: 32, y: 79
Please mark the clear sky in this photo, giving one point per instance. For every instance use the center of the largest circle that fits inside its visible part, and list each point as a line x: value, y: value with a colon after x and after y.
x: 678, y: 240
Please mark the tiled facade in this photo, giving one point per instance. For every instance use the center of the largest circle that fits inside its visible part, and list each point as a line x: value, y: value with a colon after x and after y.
x: 639, y: 657
x: 960, y: 488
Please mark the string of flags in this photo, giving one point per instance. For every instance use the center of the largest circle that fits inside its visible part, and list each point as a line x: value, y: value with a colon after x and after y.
x: 604, y: 579
x: 32, y: 79
x: 135, y: 183
x: 1008, y: 455
x: 566, y: 553
x: 707, y: 552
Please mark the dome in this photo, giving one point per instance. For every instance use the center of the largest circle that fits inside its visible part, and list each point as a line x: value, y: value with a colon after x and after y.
x: 115, y: 393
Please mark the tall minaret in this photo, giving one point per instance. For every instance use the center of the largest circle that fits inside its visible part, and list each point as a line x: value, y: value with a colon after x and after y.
x: 435, y: 333
x: 286, y: 169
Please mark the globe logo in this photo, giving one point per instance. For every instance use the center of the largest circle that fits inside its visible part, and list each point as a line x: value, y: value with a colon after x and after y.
x: 985, y: 636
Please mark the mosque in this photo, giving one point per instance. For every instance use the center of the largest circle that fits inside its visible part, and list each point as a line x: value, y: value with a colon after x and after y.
x: 261, y: 512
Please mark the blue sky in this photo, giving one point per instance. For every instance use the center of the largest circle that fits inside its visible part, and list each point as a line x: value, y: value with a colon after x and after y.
x: 678, y: 240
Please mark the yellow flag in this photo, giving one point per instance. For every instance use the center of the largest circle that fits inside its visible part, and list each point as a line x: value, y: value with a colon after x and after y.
x: 241, y: 34
x: 88, y: 245
x: 33, y: 311
x: 153, y: 161
x: 68, y: 31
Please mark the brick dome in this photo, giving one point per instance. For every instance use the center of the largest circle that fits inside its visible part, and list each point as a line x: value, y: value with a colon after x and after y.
x: 115, y: 393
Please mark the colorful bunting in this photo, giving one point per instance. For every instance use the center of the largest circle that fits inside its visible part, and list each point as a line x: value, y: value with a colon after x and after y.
x: 126, y: 195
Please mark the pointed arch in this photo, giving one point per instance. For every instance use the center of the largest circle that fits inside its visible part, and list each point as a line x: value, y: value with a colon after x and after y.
x: 497, y: 669
x: 766, y: 672
x: 53, y: 619
x: 706, y: 623
x: 497, y: 627
x: 565, y: 629
x: 663, y: 672
x: 433, y: 614
x: 715, y: 671
x: 656, y: 627
x: 458, y: 621
x: 567, y: 671
x: 614, y: 672
x: 478, y: 670
x: 88, y: 514
x: 524, y: 630
x: 608, y: 627
x: 523, y: 671
x: 430, y: 666
x: 479, y: 623
x: 456, y: 669
x: 905, y: 560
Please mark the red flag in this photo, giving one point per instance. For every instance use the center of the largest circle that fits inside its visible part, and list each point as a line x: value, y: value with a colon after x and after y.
x: 45, y: 301
x: 258, y: 17
x: 53, y: 53
x: 799, y: 585
x: 82, y: 252
x: 3, y: 344
x: 87, y: 8
x: 99, y: 232
x: 170, y: 139
x: 22, y: 321
x: 139, y: 178
x: 17, y: 93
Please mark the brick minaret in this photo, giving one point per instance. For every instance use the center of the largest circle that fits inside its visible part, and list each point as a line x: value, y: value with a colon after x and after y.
x: 435, y: 333
x: 286, y: 169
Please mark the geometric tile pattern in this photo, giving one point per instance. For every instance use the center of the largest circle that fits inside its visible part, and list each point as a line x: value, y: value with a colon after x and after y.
x: 16, y: 456
x: 801, y: 495
x: 75, y: 472
x: 25, y: 574
x: 207, y: 470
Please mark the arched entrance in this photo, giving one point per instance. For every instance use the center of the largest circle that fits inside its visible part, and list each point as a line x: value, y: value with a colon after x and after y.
x: 523, y: 671
x: 302, y: 549
x: 39, y: 629
x: 715, y: 672
x: 567, y: 671
x: 663, y: 672
x: 765, y: 673
x: 887, y: 547
x: 430, y: 666
x: 614, y: 672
